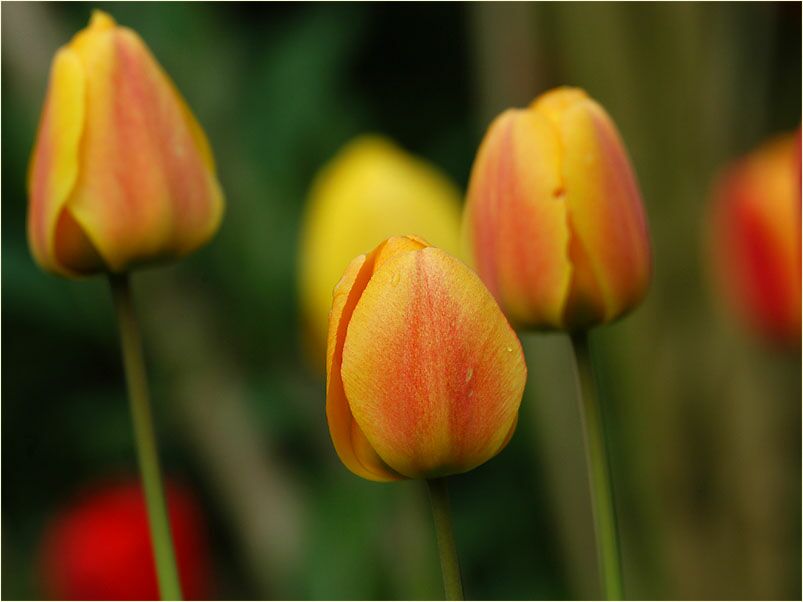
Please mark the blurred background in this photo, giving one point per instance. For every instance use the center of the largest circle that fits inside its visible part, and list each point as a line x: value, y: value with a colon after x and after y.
x: 705, y: 419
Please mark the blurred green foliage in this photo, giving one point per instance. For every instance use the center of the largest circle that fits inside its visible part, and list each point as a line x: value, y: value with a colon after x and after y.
x: 705, y: 421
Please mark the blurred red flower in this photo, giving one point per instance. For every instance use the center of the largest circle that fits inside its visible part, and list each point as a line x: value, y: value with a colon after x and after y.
x: 98, y: 547
x: 755, y: 238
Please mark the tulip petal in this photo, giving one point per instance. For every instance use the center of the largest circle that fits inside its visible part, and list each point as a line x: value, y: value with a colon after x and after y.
x: 609, y: 246
x: 74, y: 249
x: 432, y: 371
x: 350, y: 444
x: 146, y: 190
x: 54, y: 164
x: 509, y: 435
x: 517, y: 212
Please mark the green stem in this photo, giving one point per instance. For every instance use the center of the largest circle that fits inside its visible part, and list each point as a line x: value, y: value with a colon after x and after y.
x: 598, y: 472
x: 450, y: 567
x: 145, y: 437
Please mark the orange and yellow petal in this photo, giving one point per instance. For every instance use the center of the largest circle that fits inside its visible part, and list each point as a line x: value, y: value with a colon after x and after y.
x: 516, y: 214
x: 350, y: 444
x: 54, y: 163
x: 145, y: 190
x: 609, y: 247
x: 431, y: 369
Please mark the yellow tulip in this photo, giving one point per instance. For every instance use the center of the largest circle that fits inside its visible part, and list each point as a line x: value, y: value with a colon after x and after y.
x: 554, y: 215
x: 424, y: 373
x: 121, y: 173
x: 371, y: 190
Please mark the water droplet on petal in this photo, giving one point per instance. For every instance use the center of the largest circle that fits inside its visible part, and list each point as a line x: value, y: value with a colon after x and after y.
x: 469, y: 374
x: 394, y: 280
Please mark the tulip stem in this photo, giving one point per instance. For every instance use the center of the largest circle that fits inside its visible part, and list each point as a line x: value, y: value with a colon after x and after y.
x: 602, y: 503
x: 450, y: 567
x: 145, y: 437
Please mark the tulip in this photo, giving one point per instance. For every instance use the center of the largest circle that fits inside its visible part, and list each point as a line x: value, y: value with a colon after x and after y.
x: 557, y: 231
x: 754, y: 239
x: 98, y: 547
x: 424, y: 373
x: 121, y: 173
x: 371, y: 190
x: 554, y: 218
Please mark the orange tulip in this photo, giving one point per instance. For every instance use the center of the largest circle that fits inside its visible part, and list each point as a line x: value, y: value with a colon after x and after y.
x: 754, y: 239
x: 424, y: 374
x: 554, y: 217
x: 121, y: 173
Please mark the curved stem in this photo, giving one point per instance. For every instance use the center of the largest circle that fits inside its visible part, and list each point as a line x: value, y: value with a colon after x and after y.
x: 598, y: 472
x: 145, y: 437
x: 450, y: 567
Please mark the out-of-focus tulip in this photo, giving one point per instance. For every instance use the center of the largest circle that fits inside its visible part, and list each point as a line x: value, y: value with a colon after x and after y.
x: 371, y: 190
x: 554, y: 218
x: 121, y: 173
x: 754, y: 238
x: 424, y: 374
x: 99, y: 547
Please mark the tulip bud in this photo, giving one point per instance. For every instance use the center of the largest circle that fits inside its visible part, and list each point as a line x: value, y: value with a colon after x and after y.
x: 371, y: 190
x: 424, y: 374
x: 554, y: 217
x: 99, y: 547
x: 754, y: 239
x: 121, y: 173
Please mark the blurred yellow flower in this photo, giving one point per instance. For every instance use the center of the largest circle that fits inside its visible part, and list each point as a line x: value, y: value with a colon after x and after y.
x: 370, y: 191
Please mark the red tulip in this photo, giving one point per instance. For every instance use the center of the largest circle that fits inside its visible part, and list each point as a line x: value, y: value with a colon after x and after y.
x: 99, y: 547
x: 754, y: 239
